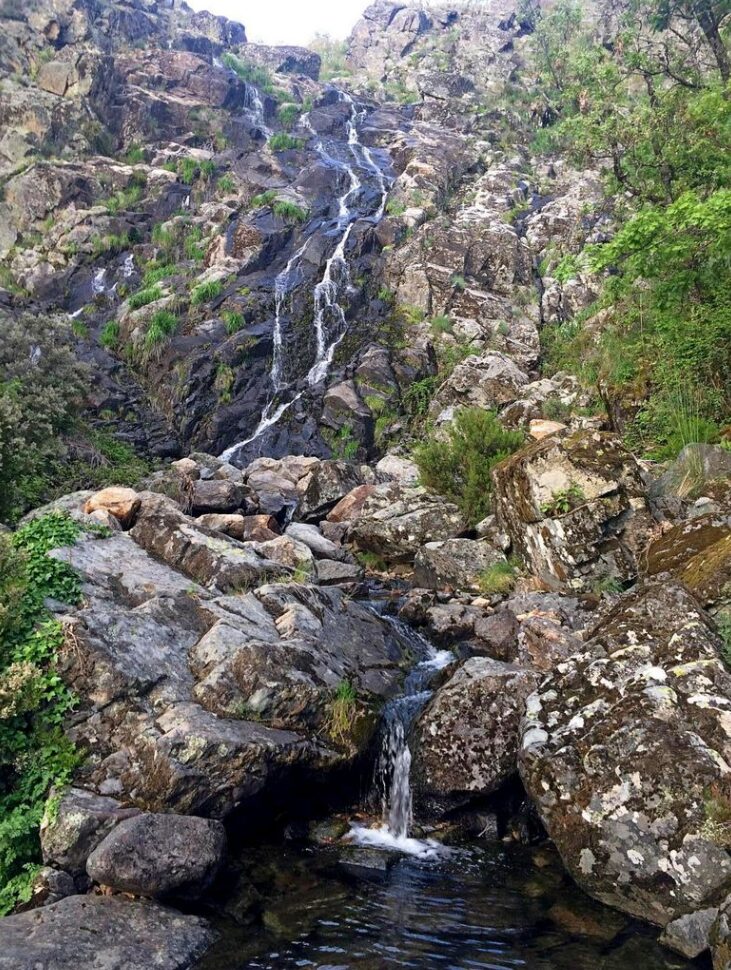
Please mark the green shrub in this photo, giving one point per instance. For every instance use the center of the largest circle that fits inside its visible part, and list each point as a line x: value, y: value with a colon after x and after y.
x: 263, y: 199
x: 395, y: 207
x: 187, y: 169
x: 207, y: 169
x: 162, y: 325
x: 289, y: 114
x: 459, y: 465
x: 42, y: 386
x: 205, y: 292
x: 144, y: 297
x: 234, y: 321
x: 109, y: 335
x: 289, y: 211
x: 191, y: 244
x: 156, y: 274
x: 34, y: 752
x: 458, y: 282
x: 135, y: 155
x: 226, y: 184
x: 282, y: 142
x: 252, y: 73
x: 418, y: 395
x: 440, y: 325
x: 498, y: 578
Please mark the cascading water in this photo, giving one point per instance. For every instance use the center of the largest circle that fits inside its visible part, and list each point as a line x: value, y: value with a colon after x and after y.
x: 255, y: 106
x: 329, y: 322
x: 99, y: 282
x: 393, y: 768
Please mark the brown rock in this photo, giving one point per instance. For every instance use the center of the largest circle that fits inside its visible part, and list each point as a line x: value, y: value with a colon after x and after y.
x: 122, y: 503
x: 259, y: 528
x: 348, y: 507
x: 230, y: 523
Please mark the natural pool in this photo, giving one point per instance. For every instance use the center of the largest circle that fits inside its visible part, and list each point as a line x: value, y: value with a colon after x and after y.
x: 495, y: 906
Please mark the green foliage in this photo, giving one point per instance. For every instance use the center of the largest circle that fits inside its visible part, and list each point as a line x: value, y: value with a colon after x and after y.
x: 251, y: 73
x: 205, y: 292
x: 458, y: 466
x: 342, y: 442
x: 289, y: 211
x: 281, y: 141
x: 234, y: 321
x: 187, y: 169
x: 155, y: 274
x: 126, y: 199
x: 333, y: 56
x: 395, y: 207
x: 226, y: 184
x: 135, y: 155
x: 440, y: 325
x: 498, y: 578
x: 191, y: 244
x: 109, y: 335
x: 41, y: 389
x: 289, y: 114
x: 418, y: 395
x: 459, y: 282
x: 263, y: 199
x: 162, y: 326
x: 145, y: 296
x: 341, y: 710
x: 34, y: 753
x: 224, y: 383
x: 563, y: 500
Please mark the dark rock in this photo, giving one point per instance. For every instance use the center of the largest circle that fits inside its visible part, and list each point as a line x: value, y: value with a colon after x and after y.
x: 698, y: 554
x: 455, y: 563
x: 690, y: 935
x: 160, y: 855
x: 103, y: 931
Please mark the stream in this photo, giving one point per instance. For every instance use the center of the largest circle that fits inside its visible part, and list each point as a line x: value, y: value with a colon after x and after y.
x: 370, y: 894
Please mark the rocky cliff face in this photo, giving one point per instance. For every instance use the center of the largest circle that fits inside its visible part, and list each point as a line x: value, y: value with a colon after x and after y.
x: 287, y: 278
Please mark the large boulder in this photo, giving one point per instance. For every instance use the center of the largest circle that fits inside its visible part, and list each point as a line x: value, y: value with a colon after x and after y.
x: 108, y: 932
x: 489, y: 381
x: 456, y: 563
x: 160, y: 855
x: 695, y: 466
x: 698, y: 553
x: 306, y: 488
x: 396, y: 521
x: 466, y: 741
x: 626, y: 754
x: 122, y: 503
x: 575, y: 507
x: 82, y: 820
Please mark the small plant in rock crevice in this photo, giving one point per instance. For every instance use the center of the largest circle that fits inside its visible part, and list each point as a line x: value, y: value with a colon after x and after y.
x: 564, y: 500
x: 341, y: 711
x: 498, y: 578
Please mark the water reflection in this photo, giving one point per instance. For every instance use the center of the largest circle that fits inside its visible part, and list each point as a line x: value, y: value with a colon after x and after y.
x: 494, y: 908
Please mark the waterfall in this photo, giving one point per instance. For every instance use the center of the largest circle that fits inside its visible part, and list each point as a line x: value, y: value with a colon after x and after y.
x: 128, y: 267
x: 393, y: 767
x: 99, y: 282
x: 329, y: 322
x: 255, y: 106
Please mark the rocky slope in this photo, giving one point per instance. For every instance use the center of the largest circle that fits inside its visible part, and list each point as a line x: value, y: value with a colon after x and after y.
x: 284, y: 278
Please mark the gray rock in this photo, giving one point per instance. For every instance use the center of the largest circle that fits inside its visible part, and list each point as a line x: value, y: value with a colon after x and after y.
x: 625, y: 748
x: 160, y: 855
x: 695, y: 465
x: 216, y: 495
x: 81, y: 821
x: 720, y: 938
x: 329, y: 572
x: 466, y: 741
x: 104, y: 932
x: 690, y: 934
x: 455, y: 563
x: 311, y: 536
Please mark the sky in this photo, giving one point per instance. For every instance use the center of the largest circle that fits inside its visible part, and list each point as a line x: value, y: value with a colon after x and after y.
x: 288, y: 21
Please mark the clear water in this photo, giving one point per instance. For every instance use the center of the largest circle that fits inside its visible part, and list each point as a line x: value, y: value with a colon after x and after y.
x: 496, y: 907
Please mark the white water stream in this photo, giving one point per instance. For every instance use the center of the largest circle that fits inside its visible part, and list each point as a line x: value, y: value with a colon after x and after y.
x: 329, y: 321
x: 393, y: 769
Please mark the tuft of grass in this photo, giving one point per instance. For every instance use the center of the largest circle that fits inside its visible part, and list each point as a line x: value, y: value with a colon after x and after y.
x: 143, y: 297
x: 498, y: 578
x: 109, y: 336
x: 233, y: 320
x: 440, y: 325
x: 282, y: 142
x: 341, y: 711
x: 289, y: 211
x: 162, y: 326
x: 205, y: 292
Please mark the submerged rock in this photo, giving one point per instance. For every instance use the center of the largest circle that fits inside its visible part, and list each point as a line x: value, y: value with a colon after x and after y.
x: 626, y: 753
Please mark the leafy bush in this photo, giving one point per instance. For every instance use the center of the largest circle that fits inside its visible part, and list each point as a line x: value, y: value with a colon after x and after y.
x: 42, y: 386
x: 34, y: 752
x: 417, y: 396
x: 143, y: 297
x: 459, y: 465
x: 205, y: 292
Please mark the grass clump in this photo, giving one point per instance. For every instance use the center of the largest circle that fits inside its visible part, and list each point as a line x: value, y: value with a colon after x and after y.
x: 282, y: 142
x: 251, y: 73
x: 341, y: 712
x: 459, y: 465
x: 233, y: 320
x: 498, y: 578
x: 156, y: 274
x: 205, y: 292
x: 162, y: 326
x: 143, y: 297
x: 289, y: 211
x: 109, y: 335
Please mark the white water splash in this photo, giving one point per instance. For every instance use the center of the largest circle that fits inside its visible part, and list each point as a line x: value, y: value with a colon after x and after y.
x: 255, y: 107
x: 393, y: 770
x: 128, y: 267
x: 99, y: 282
x: 76, y: 313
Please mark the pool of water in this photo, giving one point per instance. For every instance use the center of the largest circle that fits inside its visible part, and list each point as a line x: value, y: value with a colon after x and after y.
x: 496, y: 906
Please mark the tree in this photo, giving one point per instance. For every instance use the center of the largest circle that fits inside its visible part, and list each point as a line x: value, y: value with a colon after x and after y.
x: 42, y: 385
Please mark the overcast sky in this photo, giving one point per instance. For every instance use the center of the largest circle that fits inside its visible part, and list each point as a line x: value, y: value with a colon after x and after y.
x: 288, y: 21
